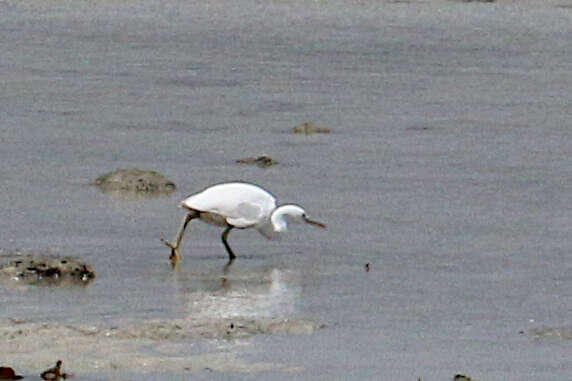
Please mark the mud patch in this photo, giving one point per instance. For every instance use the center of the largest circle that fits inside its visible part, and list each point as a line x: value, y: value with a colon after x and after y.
x: 135, y: 183
x: 229, y: 328
x: 562, y: 333
x: 43, y: 268
x: 30, y: 345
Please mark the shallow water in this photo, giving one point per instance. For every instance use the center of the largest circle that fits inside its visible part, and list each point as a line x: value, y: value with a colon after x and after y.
x: 447, y: 170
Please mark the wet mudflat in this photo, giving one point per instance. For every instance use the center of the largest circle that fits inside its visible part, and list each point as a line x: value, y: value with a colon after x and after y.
x: 446, y: 169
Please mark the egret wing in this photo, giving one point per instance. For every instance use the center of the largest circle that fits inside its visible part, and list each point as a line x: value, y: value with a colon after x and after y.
x: 246, y: 214
x: 242, y: 204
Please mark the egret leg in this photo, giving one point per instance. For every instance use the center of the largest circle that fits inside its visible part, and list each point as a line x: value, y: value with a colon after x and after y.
x: 231, y: 255
x: 175, y: 257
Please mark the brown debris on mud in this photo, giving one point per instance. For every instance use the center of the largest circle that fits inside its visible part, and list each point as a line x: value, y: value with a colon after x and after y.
x: 7, y: 373
x: 309, y: 128
x: 260, y: 161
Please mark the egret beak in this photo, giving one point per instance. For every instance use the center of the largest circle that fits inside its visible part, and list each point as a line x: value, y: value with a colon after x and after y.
x: 315, y: 223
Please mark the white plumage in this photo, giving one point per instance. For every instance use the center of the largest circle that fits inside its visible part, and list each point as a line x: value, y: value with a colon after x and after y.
x: 242, y: 205
x: 238, y: 205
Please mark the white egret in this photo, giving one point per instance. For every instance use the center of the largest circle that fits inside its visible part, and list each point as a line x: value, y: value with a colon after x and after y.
x: 238, y: 205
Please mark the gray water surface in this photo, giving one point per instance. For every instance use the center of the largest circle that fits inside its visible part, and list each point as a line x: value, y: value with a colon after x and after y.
x: 448, y: 170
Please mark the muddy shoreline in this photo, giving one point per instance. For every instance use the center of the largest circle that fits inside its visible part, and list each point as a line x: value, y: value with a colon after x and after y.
x: 99, y: 348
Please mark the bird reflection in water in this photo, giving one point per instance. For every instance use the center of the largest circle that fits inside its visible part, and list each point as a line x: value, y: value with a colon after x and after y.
x: 273, y: 293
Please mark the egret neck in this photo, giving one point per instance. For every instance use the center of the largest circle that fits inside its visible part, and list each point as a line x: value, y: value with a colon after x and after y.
x: 278, y: 218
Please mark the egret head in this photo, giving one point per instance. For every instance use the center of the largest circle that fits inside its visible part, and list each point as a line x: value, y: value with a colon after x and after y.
x: 291, y: 213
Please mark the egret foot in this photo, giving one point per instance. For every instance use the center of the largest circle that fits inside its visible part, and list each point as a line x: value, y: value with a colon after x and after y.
x: 175, y: 257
